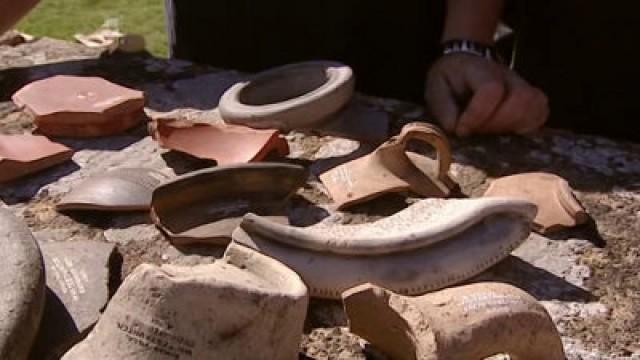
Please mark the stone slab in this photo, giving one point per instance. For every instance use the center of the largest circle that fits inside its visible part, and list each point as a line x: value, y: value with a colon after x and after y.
x: 78, y: 274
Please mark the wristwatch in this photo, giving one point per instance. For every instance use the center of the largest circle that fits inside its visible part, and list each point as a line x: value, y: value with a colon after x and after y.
x: 470, y: 47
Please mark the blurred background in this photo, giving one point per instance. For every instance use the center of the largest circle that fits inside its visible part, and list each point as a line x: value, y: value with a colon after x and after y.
x: 64, y: 18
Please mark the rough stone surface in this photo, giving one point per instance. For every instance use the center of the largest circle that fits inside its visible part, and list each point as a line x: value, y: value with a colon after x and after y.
x: 23, y: 288
x: 586, y: 277
x: 78, y: 274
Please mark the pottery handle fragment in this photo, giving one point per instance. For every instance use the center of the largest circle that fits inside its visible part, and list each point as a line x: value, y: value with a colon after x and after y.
x: 433, y: 136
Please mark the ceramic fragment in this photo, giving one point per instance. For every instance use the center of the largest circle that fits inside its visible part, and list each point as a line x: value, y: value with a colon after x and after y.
x: 124, y: 189
x: 23, y: 287
x: 206, y: 206
x: 77, y: 274
x: 391, y: 168
x: 557, y: 206
x: 81, y: 106
x: 22, y: 155
x: 224, y: 143
x: 245, y: 306
x: 295, y: 96
x: 467, y: 322
x: 430, y: 245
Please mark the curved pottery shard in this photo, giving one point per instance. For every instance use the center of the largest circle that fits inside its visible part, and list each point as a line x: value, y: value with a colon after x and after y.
x: 391, y: 168
x: 430, y: 245
x: 23, y: 288
x: 22, y: 155
x: 295, y: 96
x: 226, y: 144
x: 468, y: 322
x: 125, y: 189
x: 557, y: 206
x: 206, y: 206
x: 246, y: 306
x: 81, y: 106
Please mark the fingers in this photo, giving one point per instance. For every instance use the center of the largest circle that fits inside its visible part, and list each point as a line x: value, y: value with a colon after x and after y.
x: 524, y: 109
x: 486, y: 98
x: 442, y: 102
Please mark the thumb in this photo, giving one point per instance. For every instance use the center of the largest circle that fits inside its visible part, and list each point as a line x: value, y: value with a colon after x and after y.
x: 442, y: 103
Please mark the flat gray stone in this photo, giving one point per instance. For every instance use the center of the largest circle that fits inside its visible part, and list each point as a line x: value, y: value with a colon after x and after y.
x: 23, y: 288
x: 77, y: 275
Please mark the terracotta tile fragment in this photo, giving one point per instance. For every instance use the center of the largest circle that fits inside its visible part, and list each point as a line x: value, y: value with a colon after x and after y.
x: 22, y: 155
x: 75, y: 106
x: 244, y: 306
x: 557, y: 206
x: 226, y: 144
x: 432, y: 244
x: 468, y: 322
x: 207, y: 205
x: 391, y: 168
x: 124, y: 189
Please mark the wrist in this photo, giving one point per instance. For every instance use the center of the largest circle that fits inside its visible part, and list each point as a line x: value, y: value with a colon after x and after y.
x: 469, y: 47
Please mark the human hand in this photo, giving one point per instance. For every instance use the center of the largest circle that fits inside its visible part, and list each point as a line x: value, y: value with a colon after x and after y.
x: 472, y: 95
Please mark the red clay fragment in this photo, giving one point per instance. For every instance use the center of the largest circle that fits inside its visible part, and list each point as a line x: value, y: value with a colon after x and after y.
x: 391, y: 168
x: 557, y: 206
x: 75, y: 106
x: 21, y: 155
x: 225, y: 143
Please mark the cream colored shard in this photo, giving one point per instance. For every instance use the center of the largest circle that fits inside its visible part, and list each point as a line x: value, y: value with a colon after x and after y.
x: 467, y: 322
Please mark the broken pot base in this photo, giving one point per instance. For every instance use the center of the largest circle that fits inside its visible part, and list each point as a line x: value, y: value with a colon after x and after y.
x: 391, y: 168
x: 206, y: 206
x: 22, y: 155
x: 430, y: 245
x: 294, y: 96
x: 468, y: 322
x: 557, y: 206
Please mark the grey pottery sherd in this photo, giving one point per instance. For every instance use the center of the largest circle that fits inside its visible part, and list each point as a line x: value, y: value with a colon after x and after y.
x: 23, y: 287
x: 124, y: 189
x: 206, y: 206
x: 77, y: 274
x: 432, y: 244
x: 245, y: 306
x: 468, y: 322
x: 295, y: 96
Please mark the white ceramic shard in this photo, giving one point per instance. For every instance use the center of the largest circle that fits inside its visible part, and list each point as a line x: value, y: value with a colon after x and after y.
x: 245, y: 306
x: 23, y: 287
x: 294, y: 96
x: 468, y: 322
x: 430, y: 245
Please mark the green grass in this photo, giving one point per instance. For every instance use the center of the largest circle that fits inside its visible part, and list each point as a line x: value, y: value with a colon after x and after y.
x: 63, y: 18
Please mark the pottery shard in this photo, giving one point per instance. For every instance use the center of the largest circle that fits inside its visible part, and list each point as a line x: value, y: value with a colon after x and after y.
x: 245, y: 306
x: 468, y: 322
x: 206, y: 206
x: 432, y: 244
x: 224, y: 143
x: 81, y: 106
x: 23, y: 287
x: 557, y: 206
x: 392, y: 168
x: 124, y: 189
x: 295, y: 96
x: 21, y: 155
x: 77, y: 276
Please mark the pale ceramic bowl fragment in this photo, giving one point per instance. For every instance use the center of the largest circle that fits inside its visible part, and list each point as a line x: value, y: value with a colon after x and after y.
x: 245, y: 306
x: 432, y: 244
